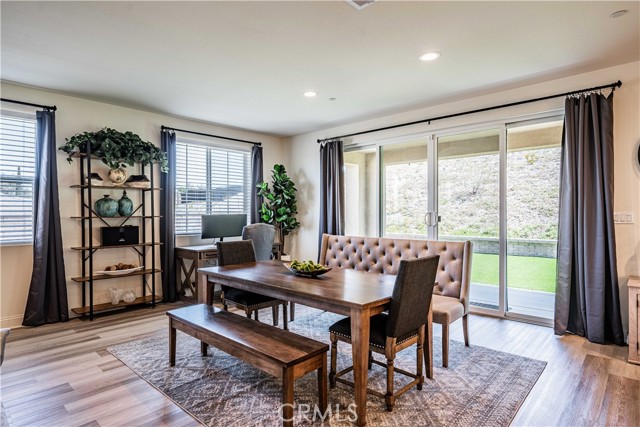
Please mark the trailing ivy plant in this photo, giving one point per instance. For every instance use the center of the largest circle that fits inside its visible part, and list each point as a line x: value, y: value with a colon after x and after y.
x: 116, y: 149
x: 279, y: 207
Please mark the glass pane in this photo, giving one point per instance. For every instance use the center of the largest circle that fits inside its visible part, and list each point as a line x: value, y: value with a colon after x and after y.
x: 404, y: 189
x: 360, y: 192
x: 469, y: 205
x: 533, y: 188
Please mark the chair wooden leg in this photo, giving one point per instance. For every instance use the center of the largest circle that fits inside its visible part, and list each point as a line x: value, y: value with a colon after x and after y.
x: 370, y: 364
x: 284, y: 316
x: 203, y: 348
x: 334, y: 354
x: 210, y: 289
x: 465, y: 328
x: 292, y: 312
x: 390, y: 354
x: 224, y: 302
x: 275, y: 314
x: 419, y: 355
x: 256, y: 315
x: 248, y: 313
x: 445, y: 345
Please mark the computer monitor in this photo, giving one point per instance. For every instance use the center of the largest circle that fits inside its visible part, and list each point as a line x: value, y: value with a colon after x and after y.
x: 221, y: 226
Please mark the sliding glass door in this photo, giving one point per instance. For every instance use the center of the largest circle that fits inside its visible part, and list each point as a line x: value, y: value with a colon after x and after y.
x: 497, y: 187
x: 532, y: 203
x: 468, y: 191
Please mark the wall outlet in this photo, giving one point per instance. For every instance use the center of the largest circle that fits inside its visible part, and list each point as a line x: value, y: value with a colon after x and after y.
x: 623, y: 218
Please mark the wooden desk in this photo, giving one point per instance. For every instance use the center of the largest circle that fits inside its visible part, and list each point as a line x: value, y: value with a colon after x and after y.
x: 343, y: 291
x: 199, y: 256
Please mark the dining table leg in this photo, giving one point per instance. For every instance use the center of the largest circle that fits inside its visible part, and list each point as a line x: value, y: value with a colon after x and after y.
x: 360, y: 319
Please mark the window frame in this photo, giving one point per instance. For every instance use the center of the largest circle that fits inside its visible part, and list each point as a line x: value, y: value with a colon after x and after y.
x: 22, y: 240
x: 220, y: 146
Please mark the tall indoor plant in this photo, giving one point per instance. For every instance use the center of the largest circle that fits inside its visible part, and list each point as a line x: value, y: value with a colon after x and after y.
x: 279, y: 207
x: 116, y: 149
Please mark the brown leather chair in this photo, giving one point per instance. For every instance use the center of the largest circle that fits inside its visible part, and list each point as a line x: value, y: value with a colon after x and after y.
x: 237, y: 252
x: 393, y: 332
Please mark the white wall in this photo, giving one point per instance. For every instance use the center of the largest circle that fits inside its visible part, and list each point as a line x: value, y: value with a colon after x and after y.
x: 77, y: 115
x: 306, y: 172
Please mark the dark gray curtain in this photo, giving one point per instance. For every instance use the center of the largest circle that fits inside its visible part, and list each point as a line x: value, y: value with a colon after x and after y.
x: 331, y: 188
x: 256, y: 179
x: 168, y: 220
x: 47, y: 299
x: 587, y: 296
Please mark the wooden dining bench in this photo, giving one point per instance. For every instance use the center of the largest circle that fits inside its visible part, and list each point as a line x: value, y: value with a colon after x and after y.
x: 275, y: 351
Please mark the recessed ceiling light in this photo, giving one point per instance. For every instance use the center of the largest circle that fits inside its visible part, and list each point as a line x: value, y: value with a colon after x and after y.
x: 310, y: 94
x: 333, y: 99
x: 430, y: 56
x: 618, y: 14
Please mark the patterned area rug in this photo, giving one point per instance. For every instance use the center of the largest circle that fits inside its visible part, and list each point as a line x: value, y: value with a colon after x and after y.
x: 481, y: 387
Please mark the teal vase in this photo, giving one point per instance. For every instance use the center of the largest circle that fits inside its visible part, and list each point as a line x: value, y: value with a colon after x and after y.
x: 106, y: 206
x: 125, y: 205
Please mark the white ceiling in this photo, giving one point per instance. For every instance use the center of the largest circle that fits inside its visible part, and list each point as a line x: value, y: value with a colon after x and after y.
x: 246, y: 64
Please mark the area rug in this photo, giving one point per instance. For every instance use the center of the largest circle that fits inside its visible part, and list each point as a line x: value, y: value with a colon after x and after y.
x: 481, y: 387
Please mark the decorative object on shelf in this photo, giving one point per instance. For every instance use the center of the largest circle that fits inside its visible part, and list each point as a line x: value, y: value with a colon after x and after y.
x: 95, y: 179
x: 116, y: 295
x: 279, y: 206
x: 125, y: 235
x: 116, y: 149
x: 106, y: 206
x: 138, y: 181
x: 125, y: 205
x: 118, y: 176
x: 129, y: 296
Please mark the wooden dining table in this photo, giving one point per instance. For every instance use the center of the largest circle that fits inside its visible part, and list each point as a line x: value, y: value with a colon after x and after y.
x: 352, y: 293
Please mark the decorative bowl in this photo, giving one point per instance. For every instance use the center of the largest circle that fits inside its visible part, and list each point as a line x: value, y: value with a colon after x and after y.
x: 119, y: 272
x: 306, y: 273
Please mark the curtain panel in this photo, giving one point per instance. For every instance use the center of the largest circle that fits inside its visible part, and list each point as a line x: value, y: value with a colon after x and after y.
x: 256, y: 179
x: 47, y: 298
x: 168, y: 219
x: 331, y: 189
x: 587, y: 295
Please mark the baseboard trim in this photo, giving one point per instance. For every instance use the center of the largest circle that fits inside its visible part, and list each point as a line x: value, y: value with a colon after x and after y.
x: 11, y: 321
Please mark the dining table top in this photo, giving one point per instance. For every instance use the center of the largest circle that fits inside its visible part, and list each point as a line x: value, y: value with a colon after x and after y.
x: 341, y: 288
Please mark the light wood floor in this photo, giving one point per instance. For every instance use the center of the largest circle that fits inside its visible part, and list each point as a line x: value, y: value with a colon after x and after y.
x: 62, y: 375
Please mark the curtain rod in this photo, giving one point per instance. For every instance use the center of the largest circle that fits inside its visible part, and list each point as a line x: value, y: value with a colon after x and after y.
x: 480, y: 110
x: 46, y: 107
x: 259, y: 144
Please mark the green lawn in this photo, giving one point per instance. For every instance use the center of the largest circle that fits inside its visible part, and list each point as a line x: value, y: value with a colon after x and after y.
x: 522, y: 272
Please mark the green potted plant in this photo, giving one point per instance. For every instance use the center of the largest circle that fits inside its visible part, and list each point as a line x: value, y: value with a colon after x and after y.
x: 117, y: 150
x: 279, y: 206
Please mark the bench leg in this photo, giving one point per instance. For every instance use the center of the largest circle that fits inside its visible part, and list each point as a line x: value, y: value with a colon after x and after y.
x: 284, y: 316
x: 334, y: 353
x: 172, y: 344
x: 203, y: 348
x: 287, y: 397
x: 322, y: 384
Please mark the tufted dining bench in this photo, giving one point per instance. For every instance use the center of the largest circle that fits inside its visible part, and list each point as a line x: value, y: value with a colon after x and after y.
x: 382, y: 255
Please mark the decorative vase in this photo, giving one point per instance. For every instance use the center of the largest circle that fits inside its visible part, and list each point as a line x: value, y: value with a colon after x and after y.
x: 106, y: 206
x: 116, y: 295
x: 125, y: 205
x: 129, y: 295
x: 118, y: 176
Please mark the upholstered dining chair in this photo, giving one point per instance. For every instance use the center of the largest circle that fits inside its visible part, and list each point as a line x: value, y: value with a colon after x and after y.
x: 262, y: 236
x: 237, y: 252
x: 402, y: 327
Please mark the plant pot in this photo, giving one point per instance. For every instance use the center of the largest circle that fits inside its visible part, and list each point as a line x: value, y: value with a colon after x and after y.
x: 118, y: 176
x: 106, y: 206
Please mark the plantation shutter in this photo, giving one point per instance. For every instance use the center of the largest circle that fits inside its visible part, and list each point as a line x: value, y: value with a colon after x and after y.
x: 17, y: 174
x: 209, y: 180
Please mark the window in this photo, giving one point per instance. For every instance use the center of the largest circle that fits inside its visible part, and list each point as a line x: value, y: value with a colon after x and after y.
x: 17, y: 173
x: 209, y: 180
